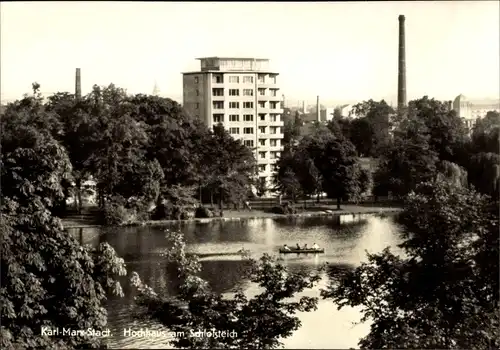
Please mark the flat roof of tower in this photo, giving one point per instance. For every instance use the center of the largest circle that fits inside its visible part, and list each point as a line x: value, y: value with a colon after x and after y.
x: 234, y: 58
x: 232, y: 72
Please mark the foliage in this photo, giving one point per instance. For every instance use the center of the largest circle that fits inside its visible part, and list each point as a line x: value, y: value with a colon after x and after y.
x: 430, y: 298
x: 447, y: 133
x: 41, y: 264
x: 408, y: 161
x: 48, y: 278
x: 429, y: 137
x: 324, y: 161
x: 176, y: 203
x: 258, y: 322
x: 176, y: 139
x: 229, y: 166
x: 203, y: 212
x: 261, y: 187
x: 340, y: 169
x: 33, y: 163
x: 369, y: 132
x: 132, y: 146
x: 284, y: 209
x: 484, y: 173
x: 29, y: 113
x: 115, y: 212
x: 365, y: 182
x: 304, y: 167
x: 285, y: 179
x: 291, y: 132
x: 452, y: 172
x: 485, y: 135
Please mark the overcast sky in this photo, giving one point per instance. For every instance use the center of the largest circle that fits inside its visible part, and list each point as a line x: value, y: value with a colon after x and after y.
x: 340, y: 51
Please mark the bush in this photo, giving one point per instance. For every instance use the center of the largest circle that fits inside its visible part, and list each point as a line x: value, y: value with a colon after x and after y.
x: 203, y: 212
x: 115, y: 213
x: 163, y: 211
x: 284, y: 209
x: 168, y: 211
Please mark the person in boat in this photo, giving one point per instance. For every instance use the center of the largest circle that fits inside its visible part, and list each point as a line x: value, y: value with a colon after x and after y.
x: 305, y: 246
x: 315, y: 246
x: 298, y: 246
x: 285, y: 247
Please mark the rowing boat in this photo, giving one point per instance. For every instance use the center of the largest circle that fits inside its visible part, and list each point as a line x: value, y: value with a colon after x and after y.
x: 301, y: 251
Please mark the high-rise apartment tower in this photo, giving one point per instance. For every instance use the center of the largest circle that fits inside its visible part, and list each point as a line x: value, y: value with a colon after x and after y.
x: 243, y: 95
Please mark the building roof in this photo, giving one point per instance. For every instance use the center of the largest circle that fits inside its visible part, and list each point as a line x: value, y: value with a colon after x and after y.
x: 232, y: 72
x: 233, y: 58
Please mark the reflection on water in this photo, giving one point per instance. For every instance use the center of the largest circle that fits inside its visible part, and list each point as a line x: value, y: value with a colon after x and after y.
x: 345, y: 247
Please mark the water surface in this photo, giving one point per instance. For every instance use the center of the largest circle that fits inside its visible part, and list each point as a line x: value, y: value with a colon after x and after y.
x: 345, y: 247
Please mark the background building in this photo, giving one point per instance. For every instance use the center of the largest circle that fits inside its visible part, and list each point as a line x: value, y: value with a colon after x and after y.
x: 243, y: 95
x: 471, y: 110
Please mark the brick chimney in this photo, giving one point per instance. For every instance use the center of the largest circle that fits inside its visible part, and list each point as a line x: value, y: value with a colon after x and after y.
x: 318, y: 112
x: 78, y: 84
x: 402, y: 65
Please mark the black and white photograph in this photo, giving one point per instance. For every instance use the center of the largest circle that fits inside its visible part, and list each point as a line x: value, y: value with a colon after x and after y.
x: 250, y: 175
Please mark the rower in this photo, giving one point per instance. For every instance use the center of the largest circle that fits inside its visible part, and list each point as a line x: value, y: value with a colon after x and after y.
x: 285, y: 247
x: 298, y: 246
x: 315, y: 246
x: 305, y: 246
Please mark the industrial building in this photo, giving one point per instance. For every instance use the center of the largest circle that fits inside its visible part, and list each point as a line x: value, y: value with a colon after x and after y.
x: 472, y: 110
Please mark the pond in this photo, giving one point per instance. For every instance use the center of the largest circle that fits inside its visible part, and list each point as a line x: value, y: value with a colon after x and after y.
x: 345, y: 245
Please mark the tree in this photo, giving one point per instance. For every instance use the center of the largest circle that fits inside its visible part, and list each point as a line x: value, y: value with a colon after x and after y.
x: 78, y: 137
x: 453, y: 173
x: 30, y: 112
x: 176, y: 139
x: 303, y: 165
x: 485, y: 135
x: 374, y: 118
x: 229, y: 166
x: 291, y: 132
x: 286, y: 181
x: 257, y: 322
x: 444, y: 293
x: 339, y: 167
x: 261, y: 187
x: 361, y: 136
x: 408, y: 161
x: 337, y: 113
x: 33, y: 164
x: 484, y: 173
x: 341, y: 126
x: 446, y: 131
x: 48, y: 278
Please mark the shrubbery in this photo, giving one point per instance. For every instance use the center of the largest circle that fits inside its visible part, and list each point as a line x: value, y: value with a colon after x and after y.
x: 260, y: 322
x: 203, y: 212
x: 116, y: 213
x: 169, y: 211
x: 284, y: 209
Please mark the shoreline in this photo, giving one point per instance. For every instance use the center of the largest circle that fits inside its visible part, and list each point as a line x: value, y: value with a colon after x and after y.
x: 247, y: 215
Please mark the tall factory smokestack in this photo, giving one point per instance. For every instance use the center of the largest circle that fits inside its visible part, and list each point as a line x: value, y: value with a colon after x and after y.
x: 402, y: 65
x: 318, y: 113
x: 304, y: 107
x: 78, y: 84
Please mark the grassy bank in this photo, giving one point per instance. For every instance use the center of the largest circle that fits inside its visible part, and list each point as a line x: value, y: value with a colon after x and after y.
x: 324, y: 210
